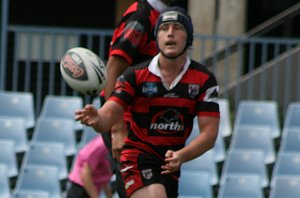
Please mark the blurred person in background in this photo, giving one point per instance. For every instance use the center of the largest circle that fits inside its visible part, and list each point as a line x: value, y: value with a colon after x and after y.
x: 91, y: 173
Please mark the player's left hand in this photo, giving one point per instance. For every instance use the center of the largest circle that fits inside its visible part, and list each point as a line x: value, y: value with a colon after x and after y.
x: 173, y: 162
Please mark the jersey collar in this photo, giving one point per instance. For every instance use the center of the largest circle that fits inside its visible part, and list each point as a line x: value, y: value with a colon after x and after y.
x: 157, y: 5
x: 153, y: 68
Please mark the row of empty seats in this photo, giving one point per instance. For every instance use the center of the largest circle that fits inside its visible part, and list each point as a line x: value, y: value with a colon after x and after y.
x: 245, y: 169
x: 44, y: 164
x: 236, y: 169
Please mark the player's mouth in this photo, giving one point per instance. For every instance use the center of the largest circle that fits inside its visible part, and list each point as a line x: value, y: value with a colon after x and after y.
x: 170, y: 43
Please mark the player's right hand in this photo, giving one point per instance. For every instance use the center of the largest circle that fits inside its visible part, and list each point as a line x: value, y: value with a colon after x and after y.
x: 87, y: 116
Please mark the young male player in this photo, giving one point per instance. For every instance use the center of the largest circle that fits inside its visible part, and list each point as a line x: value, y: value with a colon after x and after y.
x: 164, y: 96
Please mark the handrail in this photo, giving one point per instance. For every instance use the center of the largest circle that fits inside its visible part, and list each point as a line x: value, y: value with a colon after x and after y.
x: 3, y: 25
x: 257, y: 31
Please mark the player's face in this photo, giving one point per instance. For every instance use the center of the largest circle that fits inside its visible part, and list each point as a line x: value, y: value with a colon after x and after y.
x: 171, y: 38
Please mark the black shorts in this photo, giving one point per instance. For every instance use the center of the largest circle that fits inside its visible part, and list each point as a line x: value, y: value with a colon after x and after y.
x: 76, y: 191
x: 139, y: 170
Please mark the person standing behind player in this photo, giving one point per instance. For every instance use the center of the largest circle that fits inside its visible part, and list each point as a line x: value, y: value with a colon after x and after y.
x: 91, y: 173
x: 132, y: 42
x: 164, y: 95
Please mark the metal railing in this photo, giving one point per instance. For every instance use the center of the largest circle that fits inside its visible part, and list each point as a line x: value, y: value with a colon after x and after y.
x: 33, y: 58
x: 30, y: 58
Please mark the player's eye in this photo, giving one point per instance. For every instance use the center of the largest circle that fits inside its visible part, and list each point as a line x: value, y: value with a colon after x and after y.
x: 178, y: 27
x: 164, y: 27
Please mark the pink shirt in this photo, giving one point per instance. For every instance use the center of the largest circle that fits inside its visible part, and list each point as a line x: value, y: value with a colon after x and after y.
x: 95, y: 154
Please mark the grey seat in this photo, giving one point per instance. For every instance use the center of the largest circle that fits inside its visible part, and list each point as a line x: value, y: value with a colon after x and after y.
x: 8, y: 157
x: 18, y: 104
x: 257, y: 112
x: 195, y: 184
x: 47, y: 154
x: 254, y: 137
x: 203, y: 163
x: 56, y: 130
x: 241, y: 186
x: 13, y: 128
x: 287, y: 164
x: 4, y: 182
x: 286, y: 186
x: 39, y: 179
x: 61, y: 107
x: 245, y: 162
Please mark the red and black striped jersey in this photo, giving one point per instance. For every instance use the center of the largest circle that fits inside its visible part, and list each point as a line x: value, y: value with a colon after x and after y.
x: 162, y: 118
x: 133, y: 38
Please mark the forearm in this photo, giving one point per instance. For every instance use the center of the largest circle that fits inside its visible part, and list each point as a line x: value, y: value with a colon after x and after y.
x: 209, y: 127
x: 197, y: 147
x: 91, y: 189
x: 88, y: 184
x: 108, y: 191
x: 108, y: 115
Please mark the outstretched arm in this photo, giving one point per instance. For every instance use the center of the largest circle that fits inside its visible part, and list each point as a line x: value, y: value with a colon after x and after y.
x: 102, y: 119
x: 116, y: 66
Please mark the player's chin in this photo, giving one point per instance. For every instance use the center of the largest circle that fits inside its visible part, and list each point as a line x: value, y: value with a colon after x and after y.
x: 171, y: 52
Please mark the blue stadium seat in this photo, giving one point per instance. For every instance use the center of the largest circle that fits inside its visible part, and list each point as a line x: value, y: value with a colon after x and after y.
x: 30, y: 194
x: 96, y: 102
x: 195, y: 184
x: 291, y: 140
x: 254, y: 137
x: 219, y: 149
x: 62, y: 107
x: 288, y: 164
x: 88, y: 134
x: 4, y: 182
x: 13, y: 128
x: 8, y: 157
x: 241, y: 186
x: 225, y: 128
x: 291, y: 120
x: 292, y: 115
x: 18, y: 104
x: 245, y: 162
x: 56, y: 130
x: 203, y: 163
x: 49, y: 154
x: 286, y: 186
x: 264, y: 113
x: 39, y: 179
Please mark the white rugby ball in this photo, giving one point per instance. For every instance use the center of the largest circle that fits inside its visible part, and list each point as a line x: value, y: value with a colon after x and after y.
x: 83, y: 71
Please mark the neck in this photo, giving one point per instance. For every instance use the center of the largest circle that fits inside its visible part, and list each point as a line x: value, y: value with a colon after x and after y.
x: 172, y: 66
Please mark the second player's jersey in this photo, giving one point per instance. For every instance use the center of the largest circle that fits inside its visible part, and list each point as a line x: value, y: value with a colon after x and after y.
x: 133, y: 39
x: 162, y: 118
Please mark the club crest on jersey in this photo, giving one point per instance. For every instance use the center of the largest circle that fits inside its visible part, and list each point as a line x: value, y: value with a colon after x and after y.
x: 149, y: 88
x: 147, y: 173
x: 193, y: 90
